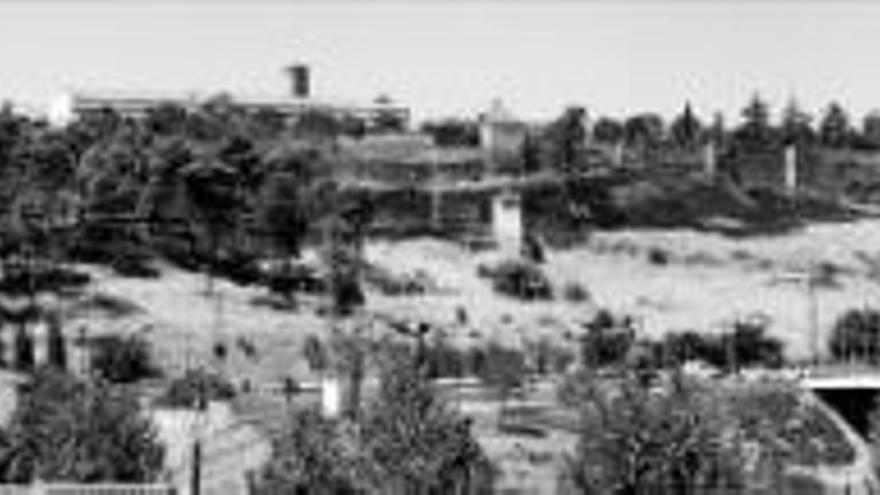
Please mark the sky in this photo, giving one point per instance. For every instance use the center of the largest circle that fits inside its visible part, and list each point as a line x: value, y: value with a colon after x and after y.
x: 451, y: 58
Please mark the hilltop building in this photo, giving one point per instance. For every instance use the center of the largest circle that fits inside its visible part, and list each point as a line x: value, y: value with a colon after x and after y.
x: 135, y: 104
x: 458, y: 191
x: 502, y: 137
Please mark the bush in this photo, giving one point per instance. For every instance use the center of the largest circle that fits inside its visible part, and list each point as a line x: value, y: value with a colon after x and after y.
x: 186, y: 391
x: 658, y: 256
x: 575, y: 292
x: 237, y: 266
x: 135, y: 266
x: 57, y: 345
x: 746, y: 345
x: 316, y: 354
x: 520, y: 280
x: 445, y: 361
x: 607, y: 340
x: 856, y: 335
x: 287, y: 279
x: 122, y: 359
x: 20, y: 279
x: 24, y: 350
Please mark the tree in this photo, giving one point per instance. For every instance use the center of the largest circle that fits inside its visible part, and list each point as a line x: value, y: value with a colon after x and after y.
x: 636, y: 440
x: 644, y: 130
x: 834, y: 129
x: 286, y: 204
x: 406, y: 442
x: 796, y: 125
x: 343, y: 252
x: 686, y: 130
x: 122, y: 359
x: 415, y: 443
x: 315, y: 354
x: 755, y: 133
x: 567, y: 138
x: 607, y: 130
x: 856, y: 335
x: 67, y: 430
x: 213, y: 189
x: 56, y: 344
x: 607, y: 340
x: 24, y: 349
x: 871, y: 130
x: 522, y: 280
x: 313, y: 456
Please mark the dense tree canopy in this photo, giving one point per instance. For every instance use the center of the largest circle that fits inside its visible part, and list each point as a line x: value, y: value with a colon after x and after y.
x: 66, y: 430
x: 644, y: 130
x: 756, y: 132
x: 834, y: 129
x: 686, y: 130
x: 406, y: 441
x: 796, y: 125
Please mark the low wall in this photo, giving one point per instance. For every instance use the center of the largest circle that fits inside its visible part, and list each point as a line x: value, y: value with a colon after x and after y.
x: 87, y: 489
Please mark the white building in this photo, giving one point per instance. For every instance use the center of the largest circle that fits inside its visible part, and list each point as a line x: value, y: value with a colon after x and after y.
x: 74, y: 104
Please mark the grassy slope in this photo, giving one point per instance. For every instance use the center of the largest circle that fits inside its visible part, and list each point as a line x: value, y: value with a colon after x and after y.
x: 708, y: 281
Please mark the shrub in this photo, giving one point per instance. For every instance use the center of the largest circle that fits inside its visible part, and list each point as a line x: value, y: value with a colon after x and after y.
x: 607, y: 340
x: 575, y: 292
x: 445, y: 361
x: 521, y: 280
x: 187, y: 390
x: 316, y: 354
x: 24, y: 350
x: 752, y: 346
x: 289, y: 278
x: 247, y: 348
x: 135, y: 266
x: 122, y: 359
x: 856, y: 335
x: 237, y: 266
x: 745, y: 345
x: 658, y: 256
x: 57, y: 345
x: 625, y: 436
x: 19, y: 279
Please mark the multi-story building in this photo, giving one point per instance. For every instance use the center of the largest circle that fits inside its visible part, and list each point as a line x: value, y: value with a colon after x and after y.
x: 75, y: 104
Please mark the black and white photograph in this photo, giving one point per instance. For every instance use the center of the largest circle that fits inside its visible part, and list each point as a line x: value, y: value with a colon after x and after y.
x: 439, y: 247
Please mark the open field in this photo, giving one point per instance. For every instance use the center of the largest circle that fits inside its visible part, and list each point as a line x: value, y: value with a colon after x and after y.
x: 699, y: 281
x: 704, y: 282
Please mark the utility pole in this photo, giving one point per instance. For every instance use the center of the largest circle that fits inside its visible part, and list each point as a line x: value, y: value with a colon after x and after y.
x: 813, y: 309
x: 196, y: 474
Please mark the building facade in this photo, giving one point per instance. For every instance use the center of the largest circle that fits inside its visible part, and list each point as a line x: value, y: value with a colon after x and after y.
x: 73, y: 105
